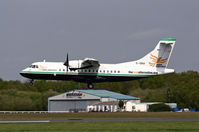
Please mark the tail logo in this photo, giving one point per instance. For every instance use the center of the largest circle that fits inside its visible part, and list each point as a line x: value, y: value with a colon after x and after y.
x: 156, y: 60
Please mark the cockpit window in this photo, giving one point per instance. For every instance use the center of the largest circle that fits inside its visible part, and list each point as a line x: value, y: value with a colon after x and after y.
x: 34, y: 66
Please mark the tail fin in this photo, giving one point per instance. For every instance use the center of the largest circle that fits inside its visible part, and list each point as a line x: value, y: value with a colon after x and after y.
x: 160, y: 56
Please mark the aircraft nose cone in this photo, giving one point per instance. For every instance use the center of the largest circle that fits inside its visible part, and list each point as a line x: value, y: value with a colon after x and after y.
x: 22, y: 74
x: 26, y: 75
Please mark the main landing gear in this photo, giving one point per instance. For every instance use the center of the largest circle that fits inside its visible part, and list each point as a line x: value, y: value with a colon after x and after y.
x: 90, y: 86
x: 31, y: 82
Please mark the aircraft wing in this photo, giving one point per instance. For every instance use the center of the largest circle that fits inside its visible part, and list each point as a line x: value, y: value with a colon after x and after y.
x: 90, y: 62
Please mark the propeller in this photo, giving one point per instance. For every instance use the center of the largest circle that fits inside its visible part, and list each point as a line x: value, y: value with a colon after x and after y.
x: 66, y: 63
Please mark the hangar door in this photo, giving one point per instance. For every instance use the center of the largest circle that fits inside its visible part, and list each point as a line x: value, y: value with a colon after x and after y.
x: 70, y: 105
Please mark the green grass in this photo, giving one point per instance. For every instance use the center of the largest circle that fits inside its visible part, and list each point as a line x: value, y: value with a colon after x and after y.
x: 99, y: 115
x: 100, y: 126
x: 103, y: 127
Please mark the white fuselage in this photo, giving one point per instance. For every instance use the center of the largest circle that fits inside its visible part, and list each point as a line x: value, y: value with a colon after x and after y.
x: 105, y: 72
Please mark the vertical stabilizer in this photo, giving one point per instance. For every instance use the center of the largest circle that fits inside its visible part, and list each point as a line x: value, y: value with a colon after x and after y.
x: 160, y: 56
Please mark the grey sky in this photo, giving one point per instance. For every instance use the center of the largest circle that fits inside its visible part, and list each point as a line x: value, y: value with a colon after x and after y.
x: 111, y: 31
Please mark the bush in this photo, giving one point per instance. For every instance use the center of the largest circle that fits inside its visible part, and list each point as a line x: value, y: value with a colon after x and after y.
x: 159, y: 108
x: 121, y: 104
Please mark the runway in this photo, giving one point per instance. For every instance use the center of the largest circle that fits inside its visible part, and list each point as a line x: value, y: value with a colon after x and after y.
x: 24, y: 121
x: 128, y: 120
x: 105, y: 120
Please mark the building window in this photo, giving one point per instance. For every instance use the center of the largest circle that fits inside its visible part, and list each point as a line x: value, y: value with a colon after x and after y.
x: 133, y: 107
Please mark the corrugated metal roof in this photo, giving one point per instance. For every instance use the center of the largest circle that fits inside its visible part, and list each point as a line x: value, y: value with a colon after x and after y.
x: 106, y: 103
x: 108, y: 94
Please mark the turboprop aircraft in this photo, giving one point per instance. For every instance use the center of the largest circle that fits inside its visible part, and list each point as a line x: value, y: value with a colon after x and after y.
x: 91, y: 71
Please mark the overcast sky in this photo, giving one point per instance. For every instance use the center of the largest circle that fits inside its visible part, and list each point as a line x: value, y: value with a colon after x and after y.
x: 110, y: 31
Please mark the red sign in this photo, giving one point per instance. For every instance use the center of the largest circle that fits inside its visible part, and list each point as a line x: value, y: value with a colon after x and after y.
x: 74, y: 94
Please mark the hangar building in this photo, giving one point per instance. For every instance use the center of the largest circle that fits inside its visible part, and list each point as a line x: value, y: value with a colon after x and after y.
x: 80, y: 100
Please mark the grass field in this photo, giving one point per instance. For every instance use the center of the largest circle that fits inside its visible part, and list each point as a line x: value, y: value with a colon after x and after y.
x: 48, y: 116
x: 103, y: 127
x: 100, y: 126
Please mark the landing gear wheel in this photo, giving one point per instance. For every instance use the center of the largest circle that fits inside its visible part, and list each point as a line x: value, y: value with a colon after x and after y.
x: 31, y: 82
x: 90, y: 86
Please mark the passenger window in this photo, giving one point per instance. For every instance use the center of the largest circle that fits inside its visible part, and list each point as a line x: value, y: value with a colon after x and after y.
x: 96, y: 70
x: 89, y: 70
x: 114, y: 71
x: 85, y: 70
x: 118, y: 71
x: 93, y: 70
x: 107, y: 71
x: 111, y: 71
x: 104, y: 71
x: 63, y: 69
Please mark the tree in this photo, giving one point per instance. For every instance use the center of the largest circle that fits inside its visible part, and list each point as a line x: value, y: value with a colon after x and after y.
x: 181, y: 88
x: 121, y: 104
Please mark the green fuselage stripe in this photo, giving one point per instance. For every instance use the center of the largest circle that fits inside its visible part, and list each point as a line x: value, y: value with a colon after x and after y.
x: 83, y: 73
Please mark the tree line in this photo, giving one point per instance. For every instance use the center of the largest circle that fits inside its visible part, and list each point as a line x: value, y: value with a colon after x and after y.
x: 181, y: 88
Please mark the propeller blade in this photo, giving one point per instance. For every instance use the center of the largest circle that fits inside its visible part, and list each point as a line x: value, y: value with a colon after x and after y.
x: 67, y: 60
x: 66, y: 63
